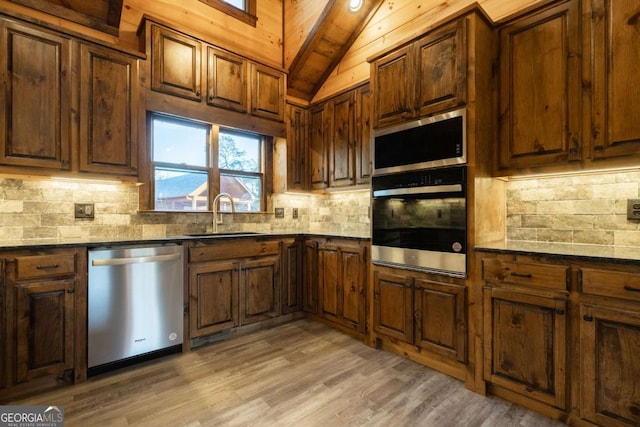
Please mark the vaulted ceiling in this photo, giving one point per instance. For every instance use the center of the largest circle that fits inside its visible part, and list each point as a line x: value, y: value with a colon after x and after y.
x: 330, y: 33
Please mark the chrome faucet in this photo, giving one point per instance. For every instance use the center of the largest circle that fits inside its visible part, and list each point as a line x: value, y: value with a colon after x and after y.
x: 217, y: 220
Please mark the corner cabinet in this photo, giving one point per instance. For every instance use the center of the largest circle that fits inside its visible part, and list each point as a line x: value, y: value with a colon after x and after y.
x: 425, y: 77
x: 539, y: 115
x: 36, y: 73
x: 338, y: 293
x: 108, y: 111
x: 44, y: 294
x: 339, y: 147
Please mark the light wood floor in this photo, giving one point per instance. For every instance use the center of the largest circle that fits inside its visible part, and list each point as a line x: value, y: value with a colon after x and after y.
x: 300, y: 374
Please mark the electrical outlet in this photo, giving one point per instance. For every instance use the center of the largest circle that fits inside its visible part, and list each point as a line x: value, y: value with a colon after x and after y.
x: 633, y: 209
x: 294, y: 213
x: 84, y: 210
x: 279, y: 212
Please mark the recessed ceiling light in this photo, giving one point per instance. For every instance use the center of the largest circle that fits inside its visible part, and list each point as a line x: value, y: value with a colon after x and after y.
x: 355, y: 5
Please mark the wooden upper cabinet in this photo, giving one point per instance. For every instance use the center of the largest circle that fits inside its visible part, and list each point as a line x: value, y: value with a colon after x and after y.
x: 35, y: 123
x: 176, y: 63
x: 297, y: 122
x: 363, y: 137
x: 318, y: 147
x: 423, y: 78
x: 342, y: 145
x: 393, y: 87
x: 540, y: 91
x: 108, y: 111
x: 441, y: 65
x: 227, y: 80
x: 267, y: 92
x: 611, y: 66
x: 609, y: 345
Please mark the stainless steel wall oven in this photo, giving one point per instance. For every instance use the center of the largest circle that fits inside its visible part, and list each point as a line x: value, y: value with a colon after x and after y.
x: 419, y: 194
x: 419, y: 220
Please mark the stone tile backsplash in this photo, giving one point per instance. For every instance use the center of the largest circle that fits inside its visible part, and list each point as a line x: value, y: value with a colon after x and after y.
x: 580, y: 209
x: 36, y: 209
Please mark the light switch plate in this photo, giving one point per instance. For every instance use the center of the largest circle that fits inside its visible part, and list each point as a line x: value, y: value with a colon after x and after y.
x: 84, y: 210
x: 633, y: 209
x: 294, y: 213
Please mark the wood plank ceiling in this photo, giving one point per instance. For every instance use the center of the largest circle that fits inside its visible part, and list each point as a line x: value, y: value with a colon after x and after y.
x: 331, y: 35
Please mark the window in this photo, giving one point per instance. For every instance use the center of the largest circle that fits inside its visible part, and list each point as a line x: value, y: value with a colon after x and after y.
x: 244, y: 10
x: 186, y: 175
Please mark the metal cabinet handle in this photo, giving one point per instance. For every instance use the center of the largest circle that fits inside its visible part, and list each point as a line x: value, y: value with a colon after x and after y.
x: 631, y: 288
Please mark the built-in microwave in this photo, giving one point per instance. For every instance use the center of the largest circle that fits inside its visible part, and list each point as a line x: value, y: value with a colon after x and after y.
x: 425, y: 143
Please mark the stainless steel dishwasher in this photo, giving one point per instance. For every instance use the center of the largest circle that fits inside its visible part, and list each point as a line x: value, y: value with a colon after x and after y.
x: 135, y: 306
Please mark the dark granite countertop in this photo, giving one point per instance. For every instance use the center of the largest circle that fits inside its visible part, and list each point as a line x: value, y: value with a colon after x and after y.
x: 582, y: 252
x: 101, y: 242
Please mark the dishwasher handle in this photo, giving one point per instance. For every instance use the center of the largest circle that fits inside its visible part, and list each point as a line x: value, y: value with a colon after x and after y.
x: 134, y: 260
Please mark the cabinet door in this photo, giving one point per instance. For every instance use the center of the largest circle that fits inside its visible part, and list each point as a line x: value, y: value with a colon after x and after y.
x: 297, y: 143
x: 525, y: 344
x: 615, y: 128
x: 227, y: 80
x: 259, y: 289
x: 440, y: 313
x: 329, y: 282
x: 442, y: 66
x: 363, y: 135
x: 540, y: 93
x: 175, y: 63
x: 609, y: 348
x: 393, y: 305
x: 352, y: 286
x: 108, y: 111
x: 318, y: 147
x: 35, y: 122
x: 44, y: 328
x: 213, y: 297
x: 292, y: 277
x: 310, y: 277
x: 393, y: 87
x: 341, y: 137
x: 267, y: 93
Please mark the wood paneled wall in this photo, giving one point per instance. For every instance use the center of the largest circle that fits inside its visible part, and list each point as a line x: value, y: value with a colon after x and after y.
x: 264, y: 43
x: 399, y: 21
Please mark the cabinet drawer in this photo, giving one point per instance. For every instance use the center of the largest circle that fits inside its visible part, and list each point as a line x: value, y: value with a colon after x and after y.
x: 554, y: 277
x: 609, y: 283
x: 35, y: 266
x: 229, y: 250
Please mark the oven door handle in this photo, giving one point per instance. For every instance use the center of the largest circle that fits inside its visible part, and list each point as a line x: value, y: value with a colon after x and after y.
x: 134, y: 260
x: 451, y: 188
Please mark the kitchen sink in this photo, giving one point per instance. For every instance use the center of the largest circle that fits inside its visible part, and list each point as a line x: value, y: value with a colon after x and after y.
x: 223, y: 234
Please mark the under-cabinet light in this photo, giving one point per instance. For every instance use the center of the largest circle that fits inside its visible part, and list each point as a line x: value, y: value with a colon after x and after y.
x: 355, y: 5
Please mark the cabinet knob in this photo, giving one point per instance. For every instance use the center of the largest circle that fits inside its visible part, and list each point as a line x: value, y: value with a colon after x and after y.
x: 198, y: 93
x: 588, y: 317
x: 71, y: 290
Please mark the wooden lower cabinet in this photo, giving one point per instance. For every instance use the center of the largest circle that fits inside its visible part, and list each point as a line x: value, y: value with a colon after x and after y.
x: 240, y: 282
x: 213, y: 298
x: 610, y: 379
x: 422, y: 312
x: 342, y: 272
x: 259, y: 289
x: 44, y: 303
x: 525, y: 344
